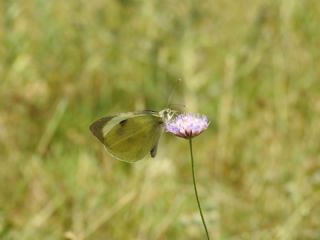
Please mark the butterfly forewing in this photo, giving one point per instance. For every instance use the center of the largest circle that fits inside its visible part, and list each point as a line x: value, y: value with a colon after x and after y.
x: 129, y: 136
x: 97, y: 126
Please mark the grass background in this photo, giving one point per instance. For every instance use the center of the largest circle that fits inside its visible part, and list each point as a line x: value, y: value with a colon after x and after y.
x: 251, y: 66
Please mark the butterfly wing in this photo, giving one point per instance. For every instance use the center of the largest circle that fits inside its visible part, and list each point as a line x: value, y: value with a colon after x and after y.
x: 129, y: 136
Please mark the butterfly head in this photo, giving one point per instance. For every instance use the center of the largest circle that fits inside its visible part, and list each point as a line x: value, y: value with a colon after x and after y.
x: 168, y: 114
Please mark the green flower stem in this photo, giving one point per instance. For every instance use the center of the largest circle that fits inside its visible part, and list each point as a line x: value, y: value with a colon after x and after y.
x: 196, y: 191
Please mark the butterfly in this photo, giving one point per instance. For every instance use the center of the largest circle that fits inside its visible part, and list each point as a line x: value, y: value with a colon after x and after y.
x: 131, y: 136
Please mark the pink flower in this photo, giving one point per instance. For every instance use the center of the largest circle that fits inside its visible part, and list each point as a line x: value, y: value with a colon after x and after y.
x: 187, y: 125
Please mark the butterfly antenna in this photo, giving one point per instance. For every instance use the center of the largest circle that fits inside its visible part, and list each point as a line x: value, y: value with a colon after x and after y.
x: 173, y: 90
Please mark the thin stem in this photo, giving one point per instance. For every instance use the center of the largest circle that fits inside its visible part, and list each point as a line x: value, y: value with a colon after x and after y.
x: 196, y: 191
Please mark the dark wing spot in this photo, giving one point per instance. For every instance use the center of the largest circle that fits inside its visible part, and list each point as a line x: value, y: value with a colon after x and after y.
x: 123, y: 122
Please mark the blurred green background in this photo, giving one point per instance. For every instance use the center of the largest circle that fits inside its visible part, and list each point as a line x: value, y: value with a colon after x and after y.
x: 251, y: 66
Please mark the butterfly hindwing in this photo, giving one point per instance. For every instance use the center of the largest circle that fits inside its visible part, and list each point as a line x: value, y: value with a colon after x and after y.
x: 129, y: 136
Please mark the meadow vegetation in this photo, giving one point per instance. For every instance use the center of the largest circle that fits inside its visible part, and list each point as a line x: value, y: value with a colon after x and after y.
x: 251, y: 66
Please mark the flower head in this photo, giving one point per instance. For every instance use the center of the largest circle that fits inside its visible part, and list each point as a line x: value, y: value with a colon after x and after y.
x: 187, y: 125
